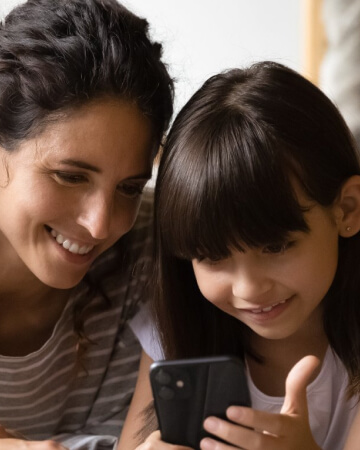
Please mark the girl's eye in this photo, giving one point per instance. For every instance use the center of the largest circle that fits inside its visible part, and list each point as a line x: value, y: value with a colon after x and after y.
x: 131, y: 190
x: 279, y: 248
x: 70, y: 178
x: 209, y: 261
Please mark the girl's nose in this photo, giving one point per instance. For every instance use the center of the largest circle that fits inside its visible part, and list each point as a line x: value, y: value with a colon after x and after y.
x: 250, y: 283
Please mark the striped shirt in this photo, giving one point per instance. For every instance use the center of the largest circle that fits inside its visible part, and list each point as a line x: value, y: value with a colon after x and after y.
x: 82, y: 402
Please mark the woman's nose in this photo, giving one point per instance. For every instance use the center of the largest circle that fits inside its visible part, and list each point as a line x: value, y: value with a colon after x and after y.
x: 96, y: 216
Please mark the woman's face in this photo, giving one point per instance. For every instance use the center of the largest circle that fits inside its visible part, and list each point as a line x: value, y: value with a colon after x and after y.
x: 70, y: 193
x: 276, y: 290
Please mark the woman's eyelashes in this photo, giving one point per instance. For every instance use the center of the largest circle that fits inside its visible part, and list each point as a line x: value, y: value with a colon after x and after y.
x: 127, y: 188
x: 69, y: 177
x: 131, y: 190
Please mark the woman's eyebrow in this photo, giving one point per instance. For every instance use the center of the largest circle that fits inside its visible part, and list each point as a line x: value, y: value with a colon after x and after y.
x: 80, y: 164
x: 84, y: 165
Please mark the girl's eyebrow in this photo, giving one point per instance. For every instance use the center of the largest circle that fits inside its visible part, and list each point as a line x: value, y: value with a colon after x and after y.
x: 84, y: 165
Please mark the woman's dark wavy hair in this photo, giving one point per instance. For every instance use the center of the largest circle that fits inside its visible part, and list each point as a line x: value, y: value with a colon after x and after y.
x: 225, y: 179
x: 58, y: 55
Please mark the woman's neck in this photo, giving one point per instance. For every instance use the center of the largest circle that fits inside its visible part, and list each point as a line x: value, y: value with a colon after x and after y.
x: 29, y: 309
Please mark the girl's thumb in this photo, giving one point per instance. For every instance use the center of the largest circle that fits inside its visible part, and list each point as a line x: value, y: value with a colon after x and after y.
x: 296, y: 382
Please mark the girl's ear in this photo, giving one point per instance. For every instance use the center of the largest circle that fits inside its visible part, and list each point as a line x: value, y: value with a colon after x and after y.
x: 347, y: 207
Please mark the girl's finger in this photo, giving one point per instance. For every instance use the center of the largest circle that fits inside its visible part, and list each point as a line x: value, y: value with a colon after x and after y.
x: 260, y: 421
x: 245, y: 438
x: 296, y: 382
x: 154, y: 442
x: 211, y: 444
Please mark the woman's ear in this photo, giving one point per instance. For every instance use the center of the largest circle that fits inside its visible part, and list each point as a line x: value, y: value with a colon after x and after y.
x: 347, y: 207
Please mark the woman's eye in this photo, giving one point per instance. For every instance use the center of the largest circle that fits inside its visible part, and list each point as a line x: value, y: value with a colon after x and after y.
x: 279, y: 248
x: 70, y: 178
x: 131, y: 190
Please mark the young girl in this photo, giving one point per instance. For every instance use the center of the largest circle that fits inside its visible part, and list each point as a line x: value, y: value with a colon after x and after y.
x: 257, y: 221
x: 84, y: 102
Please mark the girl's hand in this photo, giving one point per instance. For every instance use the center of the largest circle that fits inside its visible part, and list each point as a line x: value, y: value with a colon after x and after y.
x: 259, y: 430
x: 11, y: 442
x: 154, y: 442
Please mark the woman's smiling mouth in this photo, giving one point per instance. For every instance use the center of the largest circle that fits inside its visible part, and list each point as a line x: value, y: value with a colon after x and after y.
x: 71, y: 246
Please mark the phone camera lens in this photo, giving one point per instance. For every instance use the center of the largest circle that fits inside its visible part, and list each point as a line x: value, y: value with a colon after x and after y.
x: 166, y: 393
x: 163, y: 377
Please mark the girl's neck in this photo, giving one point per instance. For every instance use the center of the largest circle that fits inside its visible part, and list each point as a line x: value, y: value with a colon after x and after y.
x: 280, y: 355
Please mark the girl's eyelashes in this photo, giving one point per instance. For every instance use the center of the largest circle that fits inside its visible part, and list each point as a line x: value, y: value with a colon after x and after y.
x: 278, y: 248
x: 273, y: 249
x: 209, y: 261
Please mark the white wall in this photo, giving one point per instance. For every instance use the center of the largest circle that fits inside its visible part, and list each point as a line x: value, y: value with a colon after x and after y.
x: 202, y: 37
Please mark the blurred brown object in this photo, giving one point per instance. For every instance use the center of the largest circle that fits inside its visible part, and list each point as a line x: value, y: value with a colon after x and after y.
x: 315, y: 41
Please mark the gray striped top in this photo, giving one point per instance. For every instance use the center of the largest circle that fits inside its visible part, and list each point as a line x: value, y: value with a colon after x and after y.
x: 82, y: 401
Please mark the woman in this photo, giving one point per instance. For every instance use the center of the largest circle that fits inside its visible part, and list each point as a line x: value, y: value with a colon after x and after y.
x: 84, y: 102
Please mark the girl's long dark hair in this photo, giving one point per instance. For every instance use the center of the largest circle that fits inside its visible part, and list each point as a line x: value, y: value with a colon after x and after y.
x: 225, y: 178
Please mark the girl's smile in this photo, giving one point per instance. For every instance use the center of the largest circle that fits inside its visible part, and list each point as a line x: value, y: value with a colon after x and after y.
x: 266, y: 313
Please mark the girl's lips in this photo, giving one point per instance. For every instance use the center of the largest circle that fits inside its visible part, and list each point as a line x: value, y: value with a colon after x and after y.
x: 268, y: 312
x: 267, y: 308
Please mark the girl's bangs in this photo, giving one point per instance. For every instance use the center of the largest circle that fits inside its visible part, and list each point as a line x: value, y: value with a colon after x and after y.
x: 220, y: 193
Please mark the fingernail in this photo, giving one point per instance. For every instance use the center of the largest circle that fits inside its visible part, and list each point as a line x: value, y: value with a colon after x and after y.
x: 211, y: 424
x: 207, y: 444
x: 235, y: 412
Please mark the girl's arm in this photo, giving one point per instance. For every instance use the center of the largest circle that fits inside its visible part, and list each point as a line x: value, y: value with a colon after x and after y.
x: 353, y: 440
x: 134, y: 425
x: 142, y: 397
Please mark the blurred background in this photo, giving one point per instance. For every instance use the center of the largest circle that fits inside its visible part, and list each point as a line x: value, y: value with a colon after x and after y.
x: 318, y: 38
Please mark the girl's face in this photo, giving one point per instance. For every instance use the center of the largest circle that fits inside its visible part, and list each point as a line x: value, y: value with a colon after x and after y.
x: 275, y: 290
x: 69, y: 194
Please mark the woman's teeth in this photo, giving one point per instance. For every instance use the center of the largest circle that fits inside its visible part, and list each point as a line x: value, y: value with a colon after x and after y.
x: 267, y: 309
x: 72, y: 247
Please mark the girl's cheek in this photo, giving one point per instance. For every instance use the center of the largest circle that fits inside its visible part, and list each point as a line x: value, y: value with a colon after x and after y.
x: 212, y: 288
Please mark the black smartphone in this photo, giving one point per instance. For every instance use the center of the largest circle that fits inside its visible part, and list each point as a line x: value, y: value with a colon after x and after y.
x: 186, y: 391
